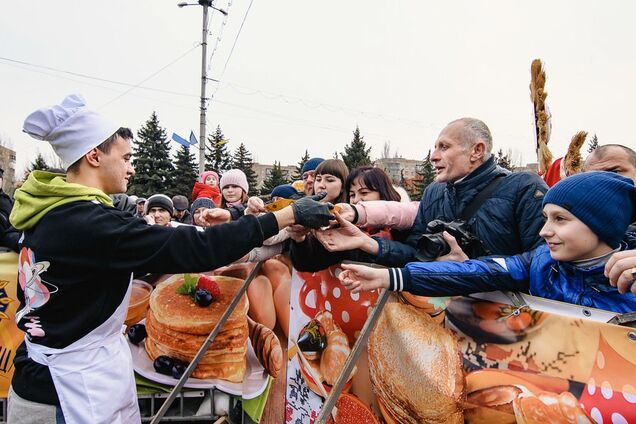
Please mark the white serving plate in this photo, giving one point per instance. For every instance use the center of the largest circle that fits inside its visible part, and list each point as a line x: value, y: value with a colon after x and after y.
x: 253, y: 385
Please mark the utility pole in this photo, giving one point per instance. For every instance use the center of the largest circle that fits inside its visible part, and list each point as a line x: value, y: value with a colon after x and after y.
x: 204, y: 78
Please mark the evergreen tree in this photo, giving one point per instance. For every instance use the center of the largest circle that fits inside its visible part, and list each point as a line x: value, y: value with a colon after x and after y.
x: 593, y: 144
x: 298, y: 172
x: 185, y: 172
x: 504, y: 160
x: 218, y: 156
x: 153, y: 166
x: 356, y: 154
x: 275, y: 178
x: 242, y: 160
x: 425, y: 175
x: 39, y: 164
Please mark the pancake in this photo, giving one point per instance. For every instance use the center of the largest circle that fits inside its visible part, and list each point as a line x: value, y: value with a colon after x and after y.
x: 225, y: 342
x: 231, y: 370
x: 179, y: 312
x: 415, y: 367
x: 177, y: 327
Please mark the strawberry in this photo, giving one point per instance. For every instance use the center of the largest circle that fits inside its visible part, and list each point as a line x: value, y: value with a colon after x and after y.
x: 208, y: 283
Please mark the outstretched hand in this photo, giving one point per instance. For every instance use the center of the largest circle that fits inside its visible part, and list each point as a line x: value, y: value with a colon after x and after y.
x: 255, y: 206
x: 456, y: 253
x: 309, y: 212
x: 358, y: 278
x: 210, y: 217
x: 621, y: 271
x: 346, y: 237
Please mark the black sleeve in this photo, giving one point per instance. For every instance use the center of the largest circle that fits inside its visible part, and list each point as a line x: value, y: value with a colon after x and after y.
x: 9, y: 238
x: 149, y: 248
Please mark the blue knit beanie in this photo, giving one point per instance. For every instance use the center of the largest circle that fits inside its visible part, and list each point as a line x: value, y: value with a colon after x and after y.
x: 311, y: 165
x: 284, y: 190
x: 201, y: 202
x: 604, y: 201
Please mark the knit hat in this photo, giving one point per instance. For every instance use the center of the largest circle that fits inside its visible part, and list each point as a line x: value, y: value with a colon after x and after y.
x: 234, y: 177
x: 141, y: 200
x: 604, y: 201
x: 159, y: 201
x: 284, y: 190
x: 311, y: 165
x: 205, y: 174
x: 71, y: 129
x: 180, y: 202
x: 201, y: 202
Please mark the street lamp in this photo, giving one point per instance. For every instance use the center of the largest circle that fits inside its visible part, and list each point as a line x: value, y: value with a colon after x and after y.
x: 204, y: 78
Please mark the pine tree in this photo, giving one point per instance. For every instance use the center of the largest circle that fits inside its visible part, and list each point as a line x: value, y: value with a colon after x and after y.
x: 185, y: 172
x: 38, y: 164
x: 275, y: 178
x: 242, y: 160
x: 504, y: 160
x: 298, y: 172
x: 356, y: 154
x: 593, y: 144
x: 153, y: 166
x: 218, y: 156
x: 425, y: 175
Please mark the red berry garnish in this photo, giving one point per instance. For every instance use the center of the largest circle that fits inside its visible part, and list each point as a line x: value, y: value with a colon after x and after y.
x: 209, y: 284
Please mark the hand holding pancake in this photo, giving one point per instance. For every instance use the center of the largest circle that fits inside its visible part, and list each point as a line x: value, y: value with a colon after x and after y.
x: 309, y: 212
x: 363, y: 278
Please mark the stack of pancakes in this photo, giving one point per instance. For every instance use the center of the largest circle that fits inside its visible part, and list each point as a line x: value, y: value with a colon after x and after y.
x: 177, y: 327
x: 415, y: 368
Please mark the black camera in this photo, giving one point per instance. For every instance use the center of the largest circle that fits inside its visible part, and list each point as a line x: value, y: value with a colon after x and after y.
x: 432, y: 244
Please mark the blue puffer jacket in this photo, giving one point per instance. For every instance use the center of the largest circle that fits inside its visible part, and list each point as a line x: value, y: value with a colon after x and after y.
x: 507, y: 223
x: 532, y: 272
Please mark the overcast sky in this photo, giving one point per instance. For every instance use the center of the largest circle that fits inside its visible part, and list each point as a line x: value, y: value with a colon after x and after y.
x: 303, y: 74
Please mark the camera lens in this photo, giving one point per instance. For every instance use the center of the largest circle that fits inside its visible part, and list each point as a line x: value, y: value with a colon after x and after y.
x: 431, y: 246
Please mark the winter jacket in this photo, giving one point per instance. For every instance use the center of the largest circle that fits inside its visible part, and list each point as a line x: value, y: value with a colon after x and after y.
x: 507, y: 223
x: 532, y: 272
x: 204, y: 190
x: 81, y: 251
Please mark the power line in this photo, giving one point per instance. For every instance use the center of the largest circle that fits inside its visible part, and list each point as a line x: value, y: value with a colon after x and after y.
x: 146, y: 79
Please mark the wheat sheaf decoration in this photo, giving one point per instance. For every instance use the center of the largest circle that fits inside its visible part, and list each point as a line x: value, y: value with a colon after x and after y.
x: 541, y: 115
x: 573, y: 158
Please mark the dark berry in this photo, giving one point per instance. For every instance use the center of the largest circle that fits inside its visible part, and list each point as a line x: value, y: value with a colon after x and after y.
x: 203, y: 297
x: 163, y: 365
x: 178, y: 369
x: 137, y: 333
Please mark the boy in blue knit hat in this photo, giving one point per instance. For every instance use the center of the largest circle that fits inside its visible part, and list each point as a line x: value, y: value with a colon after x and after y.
x: 586, y: 219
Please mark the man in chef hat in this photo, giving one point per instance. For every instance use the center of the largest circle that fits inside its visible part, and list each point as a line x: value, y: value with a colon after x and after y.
x: 77, y: 256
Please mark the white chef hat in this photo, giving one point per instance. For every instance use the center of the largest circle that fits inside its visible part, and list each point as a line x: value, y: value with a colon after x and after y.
x: 71, y: 128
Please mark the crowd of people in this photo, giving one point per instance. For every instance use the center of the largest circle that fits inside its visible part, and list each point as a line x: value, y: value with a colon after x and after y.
x: 477, y: 228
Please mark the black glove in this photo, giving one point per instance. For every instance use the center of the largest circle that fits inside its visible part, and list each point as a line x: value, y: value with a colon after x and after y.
x: 309, y: 212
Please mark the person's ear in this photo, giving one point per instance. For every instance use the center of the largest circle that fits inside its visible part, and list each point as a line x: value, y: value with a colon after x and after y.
x: 478, y: 151
x: 93, y: 157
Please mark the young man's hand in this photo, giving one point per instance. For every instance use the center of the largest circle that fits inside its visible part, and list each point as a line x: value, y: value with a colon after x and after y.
x: 309, y: 212
x: 363, y: 278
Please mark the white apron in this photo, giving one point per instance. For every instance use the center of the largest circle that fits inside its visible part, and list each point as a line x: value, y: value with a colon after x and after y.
x: 93, y: 376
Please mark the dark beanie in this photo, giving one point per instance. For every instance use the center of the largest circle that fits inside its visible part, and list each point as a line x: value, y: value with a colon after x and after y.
x: 311, y: 165
x: 201, y: 202
x: 159, y: 201
x: 604, y: 201
x: 284, y: 190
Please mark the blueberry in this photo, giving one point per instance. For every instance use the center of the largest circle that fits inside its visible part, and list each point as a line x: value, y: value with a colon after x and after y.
x: 137, y: 333
x: 178, y: 369
x: 163, y: 365
x: 203, y: 297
